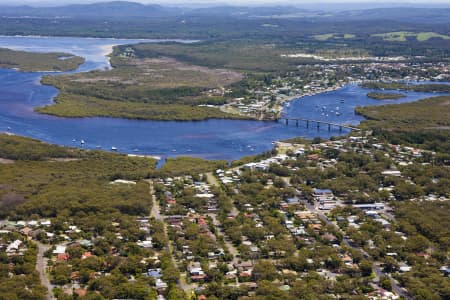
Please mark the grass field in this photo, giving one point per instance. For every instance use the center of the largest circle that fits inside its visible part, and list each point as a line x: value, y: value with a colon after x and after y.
x: 33, y: 62
x: 323, y: 37
x: 154, y: 73
x: 401, y: 36
x: 329, y: 36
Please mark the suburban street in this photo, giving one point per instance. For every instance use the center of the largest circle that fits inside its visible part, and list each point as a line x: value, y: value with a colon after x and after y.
x: 41, y: 266
x: 156, y: 213
x: 231, y: 248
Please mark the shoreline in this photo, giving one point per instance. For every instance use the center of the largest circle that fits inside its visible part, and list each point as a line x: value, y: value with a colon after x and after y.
x: 107, y: 50
x: 314, y: 93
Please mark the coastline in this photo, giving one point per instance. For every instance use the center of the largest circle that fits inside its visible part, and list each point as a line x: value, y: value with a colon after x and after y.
x: 282, y: 104
x: 107, y: 50
x: 312, y: 93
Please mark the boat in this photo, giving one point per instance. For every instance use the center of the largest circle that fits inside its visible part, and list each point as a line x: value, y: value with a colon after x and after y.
x: 338, y: 113
x: 113, y: 148
x: 342, y: 100
x: 98, y: 147
x: 82, y: 142
x: 9, y: 128
x: 74, y: 140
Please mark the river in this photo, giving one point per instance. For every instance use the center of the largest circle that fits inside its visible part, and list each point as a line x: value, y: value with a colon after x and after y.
x: 20, y: 92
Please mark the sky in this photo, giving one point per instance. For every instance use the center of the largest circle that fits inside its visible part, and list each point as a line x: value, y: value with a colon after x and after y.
x: 207, y: 2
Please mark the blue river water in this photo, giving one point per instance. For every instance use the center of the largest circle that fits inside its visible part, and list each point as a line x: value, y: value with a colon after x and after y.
x: 21, y: 92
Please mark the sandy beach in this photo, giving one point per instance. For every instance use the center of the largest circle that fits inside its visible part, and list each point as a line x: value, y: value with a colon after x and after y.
x: 107, y: 49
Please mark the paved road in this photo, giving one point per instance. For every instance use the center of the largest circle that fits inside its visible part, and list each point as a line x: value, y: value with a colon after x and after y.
x: 41, y: 266
x: 156, y: 213
x: 231, y: 248
x: 212, y: 179
x: 395, y: 287
x: 156, y: 209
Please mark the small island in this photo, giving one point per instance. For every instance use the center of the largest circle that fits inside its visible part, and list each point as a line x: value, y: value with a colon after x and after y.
x: 385, y: 96
x: 35, y: 62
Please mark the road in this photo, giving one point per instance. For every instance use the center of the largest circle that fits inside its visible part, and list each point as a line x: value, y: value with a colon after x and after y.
x: 156, y: 209
x: 156, y: 213
x: 41, y: 266
x: 231, y: 248
x: 212, y: 179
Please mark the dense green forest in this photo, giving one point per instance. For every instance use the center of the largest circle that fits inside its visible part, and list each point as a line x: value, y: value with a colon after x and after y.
x: 48, y: 180
x: 33, y: 62
x: 428, y: 222
x: 424, y: 123
x: 69, y: 105
x: 242, y: 55
x: 428, y: 88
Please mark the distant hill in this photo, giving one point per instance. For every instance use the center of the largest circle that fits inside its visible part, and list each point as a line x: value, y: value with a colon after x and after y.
x: 97, y: 10
x: 124, y: 9
x: 400, y: 14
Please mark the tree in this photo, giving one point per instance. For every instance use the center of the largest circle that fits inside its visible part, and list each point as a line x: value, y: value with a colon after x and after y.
x: 390, y: 264
x: 61, y: 274
x: 175, y: 293
x: 417, y: 243
x: 269, y: 291
x: 385, y: 283
x: 366, y: 268
x: 264, y: 270
x: 171, y: 274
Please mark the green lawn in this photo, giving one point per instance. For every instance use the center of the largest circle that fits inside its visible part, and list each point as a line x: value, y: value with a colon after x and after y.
x: 323, y: 37
x: 329, y: 36
x: 401, y: 36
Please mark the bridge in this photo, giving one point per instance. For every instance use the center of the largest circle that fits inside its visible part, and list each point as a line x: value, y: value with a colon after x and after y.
x: 316, y: 123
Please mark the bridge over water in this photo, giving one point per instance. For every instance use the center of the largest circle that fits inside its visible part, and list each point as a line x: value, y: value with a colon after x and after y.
x: 318, y: 124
